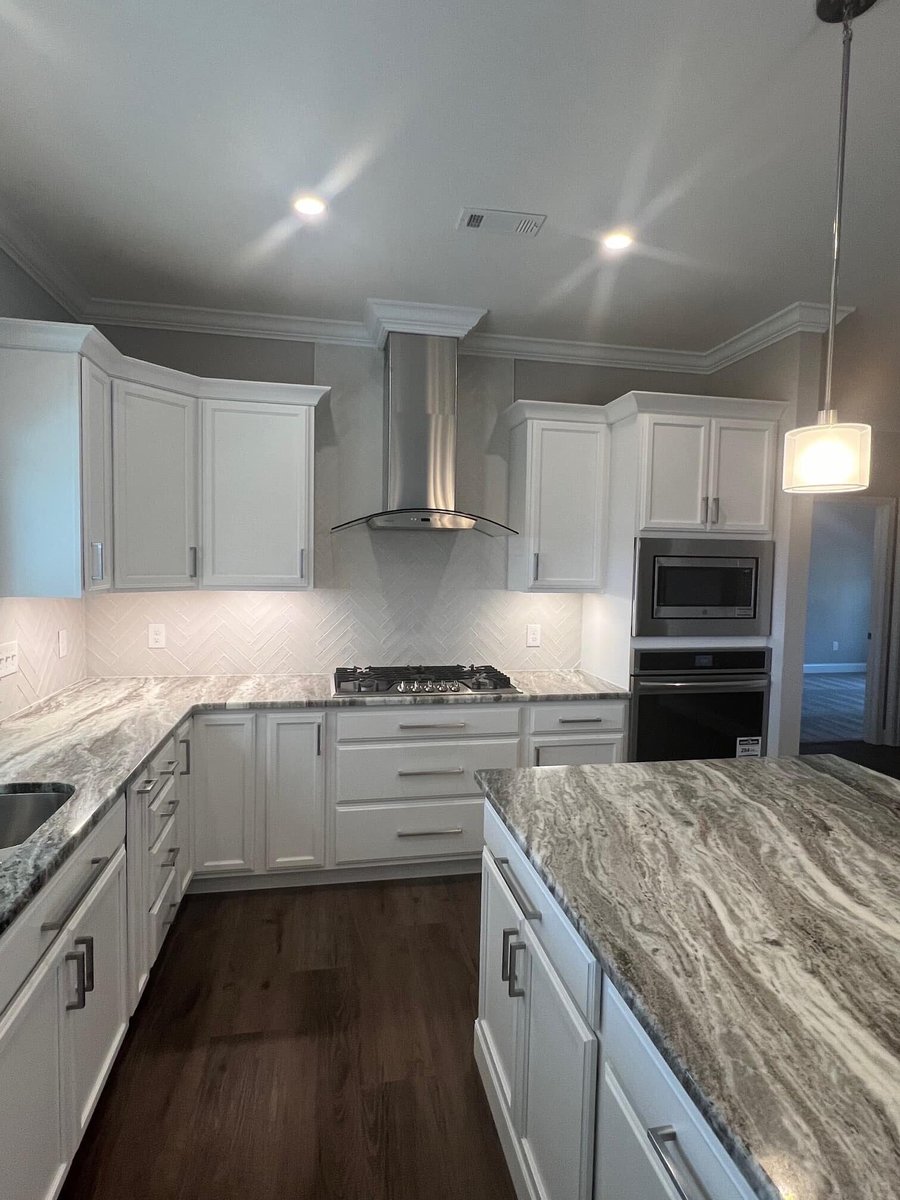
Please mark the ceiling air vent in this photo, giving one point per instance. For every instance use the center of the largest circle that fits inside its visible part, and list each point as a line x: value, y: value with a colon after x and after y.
x: 498, y: 220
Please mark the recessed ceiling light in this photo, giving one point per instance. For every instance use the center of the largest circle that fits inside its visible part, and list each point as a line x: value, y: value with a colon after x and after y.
x: 617, y: 239
x: 308, y: 205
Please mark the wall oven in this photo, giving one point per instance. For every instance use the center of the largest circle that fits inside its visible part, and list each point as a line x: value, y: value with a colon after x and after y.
x: 698, y: 704
x: 702, y: 587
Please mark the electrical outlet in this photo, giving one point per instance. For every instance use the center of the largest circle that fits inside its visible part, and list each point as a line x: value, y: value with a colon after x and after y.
x: 532, y: 635
x: 63, y: 642
x: 156, y: 637
x: 9, y: 659
x: 834, y: 645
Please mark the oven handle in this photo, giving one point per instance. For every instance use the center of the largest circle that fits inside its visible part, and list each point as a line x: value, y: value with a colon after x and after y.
x: 722, y: 685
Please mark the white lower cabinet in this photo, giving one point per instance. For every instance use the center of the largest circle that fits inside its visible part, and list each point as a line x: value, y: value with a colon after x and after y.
x: 498, y: 1016
x: 627, y: 1167
x: 576, y: 752
x: 224, y: 793
x: 294, y: 791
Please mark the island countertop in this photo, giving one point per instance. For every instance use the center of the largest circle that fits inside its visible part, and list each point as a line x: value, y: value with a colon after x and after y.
x: 749, y: 914
x: 98, y: 734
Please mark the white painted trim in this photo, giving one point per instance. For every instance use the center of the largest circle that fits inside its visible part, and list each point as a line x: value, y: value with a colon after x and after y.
x: 633, y: 403
x: 549, y: 410
x: 802, y: 317
x: 400, y: 316
x: 595, y: 354
x: 839, y: 668
x: 336, y: 875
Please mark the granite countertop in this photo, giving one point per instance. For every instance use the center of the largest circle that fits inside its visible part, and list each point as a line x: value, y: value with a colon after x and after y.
x: 749, y: 913
x: 98, y: 734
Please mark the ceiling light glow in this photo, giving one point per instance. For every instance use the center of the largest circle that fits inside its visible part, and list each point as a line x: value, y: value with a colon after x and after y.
x: 308, y: 205
x: 617, y: 239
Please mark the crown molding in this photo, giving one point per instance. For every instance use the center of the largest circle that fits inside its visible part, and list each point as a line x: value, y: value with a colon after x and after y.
x: 594, y: 354
x: 187, y: 319
x: 802, y: 317
x: 400, y: 316
x: 28, y: 252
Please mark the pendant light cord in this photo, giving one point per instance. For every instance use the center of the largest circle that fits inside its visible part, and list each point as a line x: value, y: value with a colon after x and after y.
x: 838, y: 210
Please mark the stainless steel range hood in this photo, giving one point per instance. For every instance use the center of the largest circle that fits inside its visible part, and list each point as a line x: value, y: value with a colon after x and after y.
x: 419, y: 487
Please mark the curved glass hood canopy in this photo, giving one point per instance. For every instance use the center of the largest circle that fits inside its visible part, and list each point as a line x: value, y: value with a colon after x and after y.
x: 419, y: 482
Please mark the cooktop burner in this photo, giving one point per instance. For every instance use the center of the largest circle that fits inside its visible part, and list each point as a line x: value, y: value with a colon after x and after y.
x: 406, y: 681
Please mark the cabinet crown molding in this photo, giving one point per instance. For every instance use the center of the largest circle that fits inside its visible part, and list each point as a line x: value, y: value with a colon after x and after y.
x: 402, y: 316
x: 551, y: 410
x: 633, y: 403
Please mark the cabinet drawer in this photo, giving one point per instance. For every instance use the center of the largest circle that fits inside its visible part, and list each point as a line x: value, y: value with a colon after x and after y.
x: 376, y: 832
x: 161, y: 809
x: 579, y: 717
x: 572, y: 960
x: 161, y: 857
x: 25, y: 941
x: 429, y: 721
x: 657, y: 1099
x: 162, y: 914
x: 577, y: 752
x: 397, y: 771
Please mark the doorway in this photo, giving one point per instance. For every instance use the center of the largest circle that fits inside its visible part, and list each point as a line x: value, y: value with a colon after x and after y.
x: 848, y: 655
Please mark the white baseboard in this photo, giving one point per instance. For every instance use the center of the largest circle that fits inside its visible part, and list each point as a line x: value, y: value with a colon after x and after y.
x: 331, y: 875
x: 834, y: 668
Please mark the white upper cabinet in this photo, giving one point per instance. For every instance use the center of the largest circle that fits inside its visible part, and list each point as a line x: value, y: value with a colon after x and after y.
x: 257, y: 494
x: 155, y: 487
x: 96, y: 476
x: 557, y: 497
x: 710, y: 473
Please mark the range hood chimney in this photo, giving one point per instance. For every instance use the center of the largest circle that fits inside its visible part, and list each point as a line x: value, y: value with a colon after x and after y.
x: 419, y: 481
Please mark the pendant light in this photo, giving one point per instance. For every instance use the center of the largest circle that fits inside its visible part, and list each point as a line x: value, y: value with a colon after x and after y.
x: 832, y: 455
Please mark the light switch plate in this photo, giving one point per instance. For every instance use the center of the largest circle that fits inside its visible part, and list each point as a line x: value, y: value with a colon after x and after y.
x: 532, y: 635
x: 156, y: 637
x: 63, y: 642
x: 9, y: 659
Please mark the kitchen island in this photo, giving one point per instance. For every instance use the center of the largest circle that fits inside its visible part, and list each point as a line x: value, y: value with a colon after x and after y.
x: 748, y: 914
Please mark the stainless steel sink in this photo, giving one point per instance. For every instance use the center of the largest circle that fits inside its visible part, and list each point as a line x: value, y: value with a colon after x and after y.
x: 24, y: 807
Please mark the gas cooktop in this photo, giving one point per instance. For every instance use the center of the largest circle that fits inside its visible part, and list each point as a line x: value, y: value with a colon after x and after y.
x: 418, y: 681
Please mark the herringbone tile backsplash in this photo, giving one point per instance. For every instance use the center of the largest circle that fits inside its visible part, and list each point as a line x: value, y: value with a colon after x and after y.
x: 35, y: 625
x: 391, y: 598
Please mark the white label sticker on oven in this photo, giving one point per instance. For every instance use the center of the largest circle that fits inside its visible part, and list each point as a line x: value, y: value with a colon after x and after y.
x: 748, y: 748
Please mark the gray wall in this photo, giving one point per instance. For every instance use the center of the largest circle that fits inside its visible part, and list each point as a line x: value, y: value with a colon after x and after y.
x: 840, y: 581
x: 20, y: 296
x: 217, y: 355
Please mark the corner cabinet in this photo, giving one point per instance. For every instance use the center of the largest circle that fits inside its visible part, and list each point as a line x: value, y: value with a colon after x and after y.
x: 257, y: 494
x: 558, y: 470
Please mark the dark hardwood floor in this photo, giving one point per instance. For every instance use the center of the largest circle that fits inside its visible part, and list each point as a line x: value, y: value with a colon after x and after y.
x: 303, y: 1044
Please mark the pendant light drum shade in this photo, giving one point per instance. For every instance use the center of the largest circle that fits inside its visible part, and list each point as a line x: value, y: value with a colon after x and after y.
x: 832, y: 456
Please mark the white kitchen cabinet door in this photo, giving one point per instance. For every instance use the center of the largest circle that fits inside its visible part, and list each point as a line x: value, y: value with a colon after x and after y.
x: 295, y: 792
x: 257, y: 491
x: 560, y: 1079
x: 34, y: 1145
x: 742, y: 475
x: 559, y: 507
x: 96, y: 476
x: 223, y: 746
x: 560, y: 753
x: 674, y: 485
x: 94, y: 1028
x: 628, y: 1168
x: 498, y: 1013
x: 154, y: 487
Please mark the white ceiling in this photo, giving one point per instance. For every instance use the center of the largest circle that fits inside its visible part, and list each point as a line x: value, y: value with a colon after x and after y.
x: 154, y: 149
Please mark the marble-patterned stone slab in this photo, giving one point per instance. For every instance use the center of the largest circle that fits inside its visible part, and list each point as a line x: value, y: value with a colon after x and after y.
x: 749, y: 913
x: 98, y: 734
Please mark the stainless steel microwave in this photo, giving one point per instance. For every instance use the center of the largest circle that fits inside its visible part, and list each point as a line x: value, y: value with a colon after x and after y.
x: 702, y: 587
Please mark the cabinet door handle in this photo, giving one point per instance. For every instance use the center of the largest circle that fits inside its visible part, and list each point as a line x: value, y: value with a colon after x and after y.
x: 88, y: 945
x: 715, y: 510
x: 97, y: 865
x: 581, y: 720
x: 302, y: 563
x: 170, y: 768
x: 193, y: 556
x: 529, y: 912
x: 455, y: 831
x: 186, y: 742
x: 436, y: 771
x: 504, y: 954
x: 318, y: 740
x: 704, y: 519
x: 145, y: 788
x: 173, y: 907
x: 77, y: 957
x: 97, y: 563
x: 432, y: 725
x: 537, y: 561
x: 514, y: 989
x: 660, y: 1137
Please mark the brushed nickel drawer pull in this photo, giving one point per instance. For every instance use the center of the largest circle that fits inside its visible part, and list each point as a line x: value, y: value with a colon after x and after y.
x: 172, y: 859
x: 432, y: 725
x: 96, y: 562
x: 455, y: 831
x: 186, y: 742
x: 173, y: 907
x: 170, y: 768
x: 514, y: 990
x: 145, y: 788
x: 581, y: 720
x: 87, y: 945
x: 504, y: 954
x: 98, y: 865
x: 80, y: 989
x: 436, y: 771
x: 660, y: 1137
x: 529, y: 912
